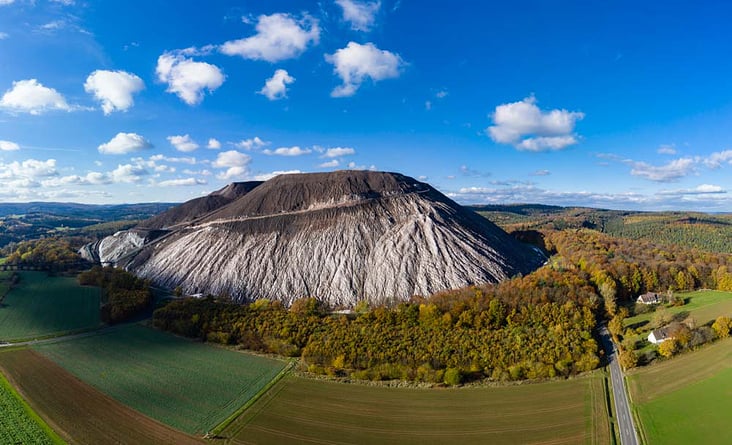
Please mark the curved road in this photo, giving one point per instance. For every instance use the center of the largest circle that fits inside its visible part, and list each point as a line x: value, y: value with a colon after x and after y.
x: 623, y: 415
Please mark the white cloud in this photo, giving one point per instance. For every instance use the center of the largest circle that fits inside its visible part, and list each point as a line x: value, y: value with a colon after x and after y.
x: 124, y: 143
x: 441, y: 94
x: 64, y: 2
x: 279, y: 37
x: 182, y: 182
x: 716, y: 159
x: 669, y: 172
x: 6, y: 2
x: 213, y: 144
x: 268, y: 176
x: 541, y: 173
x: 184, y: 160
x: 428, y: 105
x: 91, y: 178
x: 527, y: 127
x: 9, y: 146
x: 4, y: 35
x: 234, y: 162
x: 249, y: 144
x: 30, y: 96
x: 666, y: 150
x: 703, y: 189
x: 336, y: 152
x: 361, y: 15
x: 355, y: 63
x: 183, y: 143
x: 354, y: 166
x: 28, y: 169
x: 114, y: 89
x: 330, y: 164
x: 288, y: 151
x: 188, y: 79
x: 276, y: 86
x: 128, y: 174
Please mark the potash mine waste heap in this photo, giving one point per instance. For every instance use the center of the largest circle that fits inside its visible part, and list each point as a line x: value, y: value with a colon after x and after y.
x: 340, y: 237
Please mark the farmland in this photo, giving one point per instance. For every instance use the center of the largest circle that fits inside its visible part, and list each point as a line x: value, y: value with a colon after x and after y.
x: 78, y: 412
x: 187, y: 385
x: 687, y: 399
x: 18, y: 423
x: 40, y: 305
x: 303, y: 410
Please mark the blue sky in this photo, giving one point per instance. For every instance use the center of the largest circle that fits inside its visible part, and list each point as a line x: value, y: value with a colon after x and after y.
x: 608, y: 104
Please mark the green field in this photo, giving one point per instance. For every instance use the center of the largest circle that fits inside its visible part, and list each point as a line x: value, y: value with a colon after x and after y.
x: 303, y: 410
x: 18, y: 423
x: 704, y: 306
x: 40, y: 305
x: 187, y: 385
x: 687, y: 399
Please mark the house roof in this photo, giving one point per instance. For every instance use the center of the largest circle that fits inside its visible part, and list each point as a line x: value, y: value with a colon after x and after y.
x: 661, y: 333
x: 648, y: 297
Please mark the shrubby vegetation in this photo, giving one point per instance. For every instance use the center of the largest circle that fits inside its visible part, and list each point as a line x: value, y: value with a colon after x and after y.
x: 124, y: 295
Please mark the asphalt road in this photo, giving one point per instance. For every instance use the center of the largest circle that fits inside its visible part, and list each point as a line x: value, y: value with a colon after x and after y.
x: 624, y: 418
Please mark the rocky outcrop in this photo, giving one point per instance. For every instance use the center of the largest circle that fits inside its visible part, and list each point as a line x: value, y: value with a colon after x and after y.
x: 340, y: 237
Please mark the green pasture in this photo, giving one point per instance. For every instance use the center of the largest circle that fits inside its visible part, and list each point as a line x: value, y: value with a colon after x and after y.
x: 303, y: 410
x: 18, y: 423
x: 704, y: 306
x: 187, y: 385
x: 40, y: 305
x: 687, y: 399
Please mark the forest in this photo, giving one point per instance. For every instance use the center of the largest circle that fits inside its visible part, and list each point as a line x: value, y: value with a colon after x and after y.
x: 123, y: 294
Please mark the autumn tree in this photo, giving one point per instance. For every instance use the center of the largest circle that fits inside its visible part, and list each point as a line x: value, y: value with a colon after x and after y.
x: 722, y: 326
x: 668, y: 348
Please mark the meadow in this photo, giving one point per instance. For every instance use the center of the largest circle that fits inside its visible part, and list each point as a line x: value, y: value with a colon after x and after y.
x: 687, y: 399
x: 18, y: 423
x: 187, y: 385
x: 41, y: 305
x: 304, y: 410
x: 703, y: 305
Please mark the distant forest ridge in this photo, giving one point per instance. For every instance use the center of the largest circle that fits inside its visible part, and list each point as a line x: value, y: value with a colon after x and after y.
x: 706, y: 231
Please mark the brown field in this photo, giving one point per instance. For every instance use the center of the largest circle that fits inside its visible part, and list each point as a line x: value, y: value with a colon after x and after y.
x: 308, y: 411
x: 78, y: 412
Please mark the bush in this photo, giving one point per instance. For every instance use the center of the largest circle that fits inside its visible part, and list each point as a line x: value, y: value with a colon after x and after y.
x: 453, y: 376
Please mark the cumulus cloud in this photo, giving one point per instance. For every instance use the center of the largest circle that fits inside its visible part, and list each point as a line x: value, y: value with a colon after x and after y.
x: 91, y: 178
x: 541, y: 173
x: 124, y: 143
x: 288, y: 151
x: 355, y: 63
x: 183, y: 143
x: 30, y: 96
x: 336, y: 152
x: 235, y: 163
x: 703, y: 189
x: 330, y: 164
x: 128, y: 174
x: 188, y: 79
x: 213, y: 144
x: 28, y: 169
x: 182, y: 182
x: 250, y: 144
x: 276, y: 86
x: 666, y: 150
x: 9, y: 146
x: 279, y: 37
x: 669, y: 172
x: 114, y: 89
x: 184, y: 160
x: 716, y: 159
x: 527, y: 127
x: 268, y: 176
x: 361, y: 15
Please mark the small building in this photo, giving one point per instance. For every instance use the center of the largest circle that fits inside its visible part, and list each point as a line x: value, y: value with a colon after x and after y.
x: 649, y: 298
x: 660, y: 335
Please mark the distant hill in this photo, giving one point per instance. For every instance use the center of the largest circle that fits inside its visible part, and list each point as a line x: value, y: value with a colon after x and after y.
x: 710, y: 232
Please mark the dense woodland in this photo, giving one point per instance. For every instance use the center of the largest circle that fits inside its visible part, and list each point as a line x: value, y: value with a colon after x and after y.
x: 124, y: 295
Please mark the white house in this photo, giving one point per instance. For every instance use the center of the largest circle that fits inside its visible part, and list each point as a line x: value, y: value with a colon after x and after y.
x: 659, y: 335
x: 649, y: 298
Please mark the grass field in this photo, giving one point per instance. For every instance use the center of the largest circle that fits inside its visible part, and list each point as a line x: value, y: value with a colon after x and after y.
x: 687, y: 399
x: 187, y: 385
x: 302, y: 410
x: 704, y: 306
x: 18, y: 423
x: 78, y: 412
x: 40, y: 305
